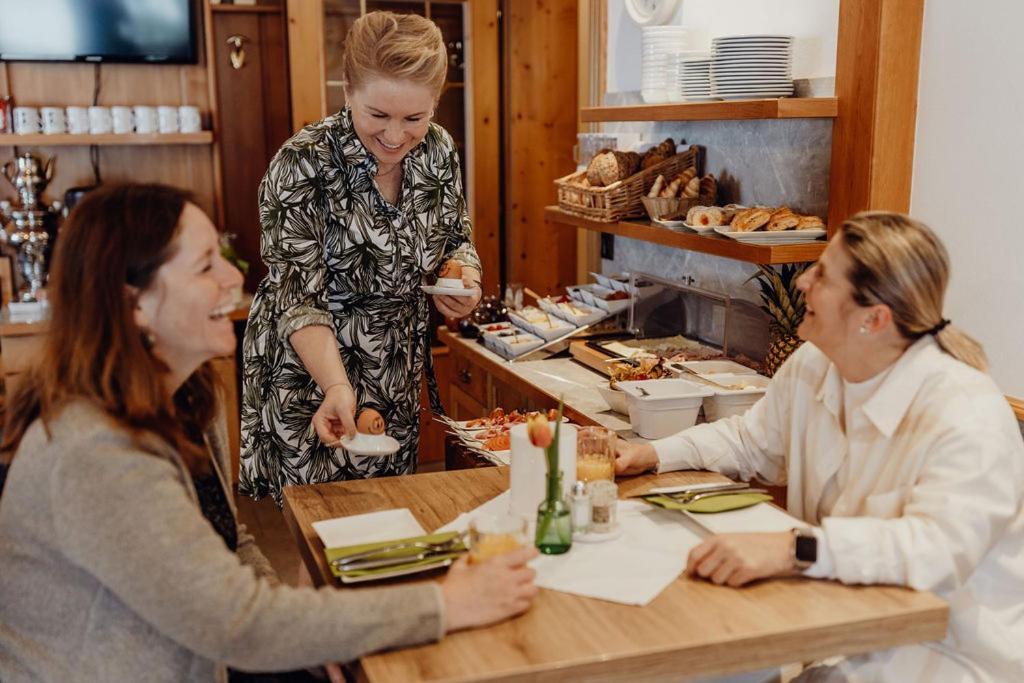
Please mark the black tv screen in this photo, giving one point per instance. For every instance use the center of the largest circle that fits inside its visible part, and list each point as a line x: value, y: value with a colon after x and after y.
x: 160, y: 31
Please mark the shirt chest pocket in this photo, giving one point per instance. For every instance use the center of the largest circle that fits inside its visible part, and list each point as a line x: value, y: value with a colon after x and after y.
x: 884, y: 505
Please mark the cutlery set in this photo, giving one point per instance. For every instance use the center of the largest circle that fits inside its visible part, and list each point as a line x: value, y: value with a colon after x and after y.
x: 386, y: 556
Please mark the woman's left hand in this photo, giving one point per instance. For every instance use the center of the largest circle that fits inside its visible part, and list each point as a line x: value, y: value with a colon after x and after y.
x: 461, y: 306
x: 738, y: 559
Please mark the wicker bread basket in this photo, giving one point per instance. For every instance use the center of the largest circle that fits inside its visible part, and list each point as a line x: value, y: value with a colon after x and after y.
x: 623, y: 198
x: 672, y: 208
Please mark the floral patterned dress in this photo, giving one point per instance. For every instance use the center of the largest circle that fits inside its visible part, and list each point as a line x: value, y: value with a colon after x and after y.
x: 340, y: 255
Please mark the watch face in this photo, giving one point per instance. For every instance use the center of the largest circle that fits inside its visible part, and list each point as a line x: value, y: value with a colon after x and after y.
x: 651, y: 12
x: 807, y: 549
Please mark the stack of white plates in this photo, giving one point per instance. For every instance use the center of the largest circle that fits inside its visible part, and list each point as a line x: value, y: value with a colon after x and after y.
x: 752, y: 66
x: 693, y: 75
x: 657, y: 64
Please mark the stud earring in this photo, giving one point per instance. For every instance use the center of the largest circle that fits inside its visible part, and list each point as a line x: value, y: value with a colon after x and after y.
x: 148, y: 339
x: 863, y: 329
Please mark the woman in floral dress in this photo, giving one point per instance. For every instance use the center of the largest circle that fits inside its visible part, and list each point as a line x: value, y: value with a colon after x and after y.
x: 356, y: 210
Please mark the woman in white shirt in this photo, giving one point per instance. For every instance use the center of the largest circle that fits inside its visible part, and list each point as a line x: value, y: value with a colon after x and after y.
x: 898, y: 449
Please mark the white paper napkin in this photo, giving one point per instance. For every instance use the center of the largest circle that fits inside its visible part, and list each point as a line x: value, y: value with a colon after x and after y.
x: 631, y: 569
x: 368, y: 528
x: 760, y: 518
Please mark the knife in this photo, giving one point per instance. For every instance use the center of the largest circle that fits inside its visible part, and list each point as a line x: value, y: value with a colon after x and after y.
x: 687, y: 488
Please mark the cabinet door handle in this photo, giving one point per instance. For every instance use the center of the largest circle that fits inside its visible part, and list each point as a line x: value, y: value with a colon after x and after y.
x: 464, y: 376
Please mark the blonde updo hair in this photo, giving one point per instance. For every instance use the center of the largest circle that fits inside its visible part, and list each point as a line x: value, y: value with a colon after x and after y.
x: 900, y: 262
x: 399, y: 46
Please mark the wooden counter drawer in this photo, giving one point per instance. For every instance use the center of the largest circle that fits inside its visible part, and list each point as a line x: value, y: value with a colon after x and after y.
x: 470, y: 378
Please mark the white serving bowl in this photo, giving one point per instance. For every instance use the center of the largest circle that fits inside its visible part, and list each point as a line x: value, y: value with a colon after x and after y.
x: 615, y: 398
x: 662, y: 407
x: 729, y: 402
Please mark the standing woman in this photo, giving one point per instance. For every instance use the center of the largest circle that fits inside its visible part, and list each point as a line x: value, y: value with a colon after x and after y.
x: 356, y: 211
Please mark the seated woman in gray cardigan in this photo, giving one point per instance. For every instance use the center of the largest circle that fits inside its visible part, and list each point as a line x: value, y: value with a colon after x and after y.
x: 120, y: 554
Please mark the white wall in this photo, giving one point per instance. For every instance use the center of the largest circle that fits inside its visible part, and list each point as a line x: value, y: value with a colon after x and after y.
x: 969, y: 169
x: 813, y: 23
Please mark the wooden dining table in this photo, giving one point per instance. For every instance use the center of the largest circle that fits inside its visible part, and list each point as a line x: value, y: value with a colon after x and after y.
x: 693, y: 628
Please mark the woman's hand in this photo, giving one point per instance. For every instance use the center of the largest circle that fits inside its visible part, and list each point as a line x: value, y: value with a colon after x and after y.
x: 336, y: 415
x: 461, y: 306
x: 634, y: 458
x: 738, y: 559
x: 485, y: 593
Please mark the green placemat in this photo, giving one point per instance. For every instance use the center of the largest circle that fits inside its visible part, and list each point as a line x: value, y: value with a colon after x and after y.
x: 336, y: 553
x: 732, y: 501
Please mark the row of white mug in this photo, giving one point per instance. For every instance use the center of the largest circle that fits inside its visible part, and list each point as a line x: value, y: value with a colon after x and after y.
x: 141, y: 119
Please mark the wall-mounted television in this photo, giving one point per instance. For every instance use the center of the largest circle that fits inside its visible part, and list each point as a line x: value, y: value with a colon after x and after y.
x: 147, y: 31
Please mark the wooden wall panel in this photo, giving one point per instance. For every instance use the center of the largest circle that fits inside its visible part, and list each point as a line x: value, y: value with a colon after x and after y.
x: 876, y: 82
x: 306, y: 55
x: 483, y: 130
x: 255, y: 116
x: 540, y: 131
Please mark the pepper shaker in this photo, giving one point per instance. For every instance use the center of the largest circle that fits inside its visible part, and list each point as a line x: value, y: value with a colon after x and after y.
x: 604, y: 499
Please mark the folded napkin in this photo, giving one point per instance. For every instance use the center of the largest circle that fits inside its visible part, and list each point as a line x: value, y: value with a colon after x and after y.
x: 722, y: 503
x: 410, y: 552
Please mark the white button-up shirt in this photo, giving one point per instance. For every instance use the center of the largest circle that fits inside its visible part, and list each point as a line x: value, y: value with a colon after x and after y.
x: 933, y: 499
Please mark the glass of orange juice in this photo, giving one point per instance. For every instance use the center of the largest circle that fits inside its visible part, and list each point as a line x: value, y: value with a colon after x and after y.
x: 492, y: 535
x: 595, y: 454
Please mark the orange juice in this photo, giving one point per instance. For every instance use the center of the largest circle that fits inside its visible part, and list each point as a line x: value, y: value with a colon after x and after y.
x: 595, y: 466
x: 491, y: 545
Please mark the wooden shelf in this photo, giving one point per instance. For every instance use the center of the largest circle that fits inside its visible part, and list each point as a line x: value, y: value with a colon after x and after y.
x: 780, y: 108
x: 260, y: 9
x: 716, y: 245
x: 204, y: 137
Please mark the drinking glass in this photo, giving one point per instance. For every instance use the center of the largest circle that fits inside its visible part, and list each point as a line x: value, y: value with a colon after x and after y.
x: 492, y: 535
x: 595, y: 454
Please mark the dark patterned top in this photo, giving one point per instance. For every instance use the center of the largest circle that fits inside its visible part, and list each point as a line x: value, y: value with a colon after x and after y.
x: 214, y: 504
x: 339, y: 255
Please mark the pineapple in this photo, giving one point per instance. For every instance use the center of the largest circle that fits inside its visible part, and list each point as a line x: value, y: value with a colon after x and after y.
x: 784, y: 303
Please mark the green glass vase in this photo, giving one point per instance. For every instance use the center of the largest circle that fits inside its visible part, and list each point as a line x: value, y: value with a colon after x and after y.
x: 554, y: 521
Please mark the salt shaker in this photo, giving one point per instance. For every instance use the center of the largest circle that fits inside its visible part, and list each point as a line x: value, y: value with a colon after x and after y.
x: 604, y: 499
x: 579, y: 504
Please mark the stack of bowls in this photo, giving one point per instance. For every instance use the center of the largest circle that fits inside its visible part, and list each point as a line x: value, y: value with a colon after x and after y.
x: 660, y: 44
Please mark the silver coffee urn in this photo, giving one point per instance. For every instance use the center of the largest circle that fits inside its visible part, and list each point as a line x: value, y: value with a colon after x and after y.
x: 25, y: 225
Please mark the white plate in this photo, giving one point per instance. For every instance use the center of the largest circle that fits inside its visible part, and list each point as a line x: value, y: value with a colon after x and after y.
x: 369, y: 445
x: 405, y: 571
x: 776, y: 237
x: 450, y: 291
x: 370, y: 527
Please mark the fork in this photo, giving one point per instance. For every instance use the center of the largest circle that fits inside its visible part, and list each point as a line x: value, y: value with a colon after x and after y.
x: 364, y: 559
x: 711, y: 494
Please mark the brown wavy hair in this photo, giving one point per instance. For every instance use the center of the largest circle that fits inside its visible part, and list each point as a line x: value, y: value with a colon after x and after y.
x: 900, y: 262
x: 110, y: 249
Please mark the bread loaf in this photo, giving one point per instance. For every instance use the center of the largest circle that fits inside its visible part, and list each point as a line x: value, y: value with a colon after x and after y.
x: 610, y: 166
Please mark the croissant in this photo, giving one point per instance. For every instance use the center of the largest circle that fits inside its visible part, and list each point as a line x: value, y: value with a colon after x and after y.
x: 672, y: 189
x: 692, y: 188
x: 659, y: 183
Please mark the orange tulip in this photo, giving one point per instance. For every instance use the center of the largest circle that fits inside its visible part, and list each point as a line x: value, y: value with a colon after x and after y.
x: 539, y: 431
